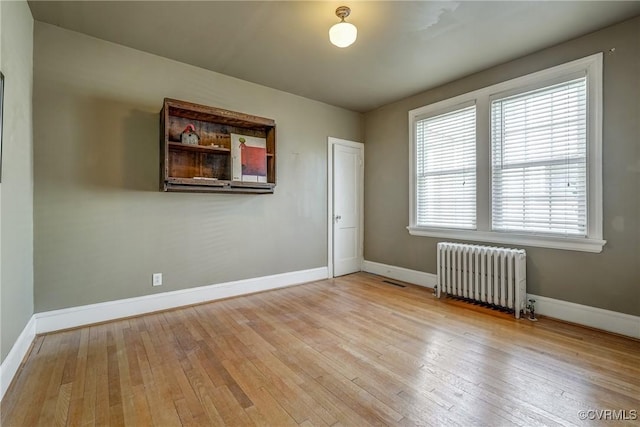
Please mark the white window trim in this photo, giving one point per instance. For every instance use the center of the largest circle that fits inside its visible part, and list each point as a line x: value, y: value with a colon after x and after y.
x: 592, y: 66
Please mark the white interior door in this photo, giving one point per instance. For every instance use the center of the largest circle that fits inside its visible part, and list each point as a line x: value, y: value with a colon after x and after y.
x: 347, y: 206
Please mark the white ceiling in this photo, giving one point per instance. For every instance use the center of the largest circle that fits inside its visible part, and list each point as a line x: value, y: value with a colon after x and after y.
x: 402, y: 48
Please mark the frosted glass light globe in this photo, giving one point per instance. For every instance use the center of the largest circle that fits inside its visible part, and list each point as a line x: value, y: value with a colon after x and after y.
x: 343, y: 34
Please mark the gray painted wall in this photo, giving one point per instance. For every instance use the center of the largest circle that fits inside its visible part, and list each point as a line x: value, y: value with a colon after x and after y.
x: 609, y: 280
x: 16, y: 189
x: 101, y: 225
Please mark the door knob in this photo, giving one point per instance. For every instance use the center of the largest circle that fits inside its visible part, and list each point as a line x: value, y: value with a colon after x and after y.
x: 338, y: 218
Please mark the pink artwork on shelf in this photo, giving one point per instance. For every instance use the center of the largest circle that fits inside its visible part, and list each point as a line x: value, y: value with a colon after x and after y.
x: 249, y: 158
x: 253, y: 160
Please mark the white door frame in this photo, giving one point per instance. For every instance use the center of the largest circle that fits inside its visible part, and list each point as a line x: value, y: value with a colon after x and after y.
x: 331, y: 142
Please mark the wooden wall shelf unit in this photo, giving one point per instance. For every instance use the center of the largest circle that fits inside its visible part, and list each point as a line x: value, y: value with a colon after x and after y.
x: 207, y: 167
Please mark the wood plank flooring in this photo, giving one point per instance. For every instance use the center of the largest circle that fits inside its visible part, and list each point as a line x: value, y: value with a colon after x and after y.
x: 352, y: 351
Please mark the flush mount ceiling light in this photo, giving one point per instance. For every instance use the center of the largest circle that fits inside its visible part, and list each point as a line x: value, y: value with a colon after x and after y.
x: 343, y: 34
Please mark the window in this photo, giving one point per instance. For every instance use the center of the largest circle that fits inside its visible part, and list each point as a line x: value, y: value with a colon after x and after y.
x: 446, y: 163
x: 519, y: 162
x: 539, y: 160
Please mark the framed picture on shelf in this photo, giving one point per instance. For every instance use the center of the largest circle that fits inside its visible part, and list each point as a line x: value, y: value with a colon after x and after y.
x: 249, y: 158
x: 1, y: 119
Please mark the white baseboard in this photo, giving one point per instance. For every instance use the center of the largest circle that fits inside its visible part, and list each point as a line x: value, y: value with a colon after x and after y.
x: 85, y: 315
x: 12, y: 362
x: 94, y: 313
x: 607, y: 320
x: 399, y: 273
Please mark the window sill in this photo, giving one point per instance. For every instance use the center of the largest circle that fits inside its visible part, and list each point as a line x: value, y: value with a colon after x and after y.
x: 540, y: 241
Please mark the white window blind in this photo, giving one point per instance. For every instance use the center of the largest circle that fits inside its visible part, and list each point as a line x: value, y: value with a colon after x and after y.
x: 446, y: 170
x: 539, y: 160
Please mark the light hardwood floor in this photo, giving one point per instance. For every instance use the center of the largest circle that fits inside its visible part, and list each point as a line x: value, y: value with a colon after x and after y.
x: 352, y: 351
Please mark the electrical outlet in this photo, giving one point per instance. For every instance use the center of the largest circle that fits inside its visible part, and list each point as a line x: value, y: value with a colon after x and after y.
x: 157, y: 279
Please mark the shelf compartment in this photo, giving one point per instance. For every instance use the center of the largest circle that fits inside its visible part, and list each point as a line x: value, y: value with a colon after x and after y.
x: 197, y: 162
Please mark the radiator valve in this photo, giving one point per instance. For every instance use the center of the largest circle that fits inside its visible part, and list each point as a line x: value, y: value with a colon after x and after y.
x: 532, y: 310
